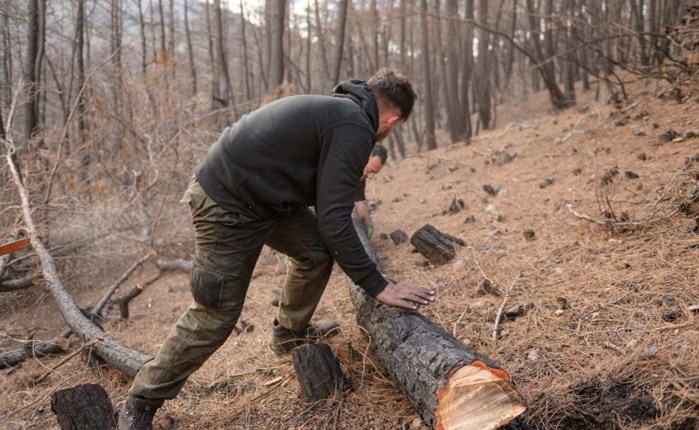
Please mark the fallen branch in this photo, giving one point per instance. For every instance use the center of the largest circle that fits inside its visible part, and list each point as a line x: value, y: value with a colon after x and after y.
x: 124, y: 300
x: 53, y: 368
x: 113, y: 352
x: 583, y: 216
x: 20, y: 284
x: 502, y: 306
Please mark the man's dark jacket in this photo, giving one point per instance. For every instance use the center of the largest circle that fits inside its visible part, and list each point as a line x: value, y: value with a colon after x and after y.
x: 300, y: 151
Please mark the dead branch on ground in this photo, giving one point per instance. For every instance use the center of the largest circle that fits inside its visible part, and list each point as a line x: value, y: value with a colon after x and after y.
x: 113, y: 352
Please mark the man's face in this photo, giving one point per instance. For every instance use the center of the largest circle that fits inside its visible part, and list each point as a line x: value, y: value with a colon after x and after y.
x: 373, y: 166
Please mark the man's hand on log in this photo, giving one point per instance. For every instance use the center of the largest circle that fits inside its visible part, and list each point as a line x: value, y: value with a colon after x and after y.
x: 405, y: 296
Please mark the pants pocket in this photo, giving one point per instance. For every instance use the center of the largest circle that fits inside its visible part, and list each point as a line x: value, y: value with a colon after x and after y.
x: 215, y: 290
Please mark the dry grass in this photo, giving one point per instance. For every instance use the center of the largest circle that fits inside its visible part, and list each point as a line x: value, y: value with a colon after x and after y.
x: 612, y: 336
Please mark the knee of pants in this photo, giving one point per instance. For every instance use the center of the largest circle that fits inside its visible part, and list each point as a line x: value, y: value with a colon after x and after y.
x: 315, y: 259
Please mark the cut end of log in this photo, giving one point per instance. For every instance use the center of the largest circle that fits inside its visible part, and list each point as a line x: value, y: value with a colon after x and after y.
x: 477, y: 397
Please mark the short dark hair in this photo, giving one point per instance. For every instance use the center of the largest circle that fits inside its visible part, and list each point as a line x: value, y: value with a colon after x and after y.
x: 380, y: 151
x: 395, y: 88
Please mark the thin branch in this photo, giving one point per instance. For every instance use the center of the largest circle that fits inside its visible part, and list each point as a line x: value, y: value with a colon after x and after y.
x: 502, y: 306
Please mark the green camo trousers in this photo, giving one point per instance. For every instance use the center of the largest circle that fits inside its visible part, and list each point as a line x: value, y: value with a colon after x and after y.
x: 227, y: 248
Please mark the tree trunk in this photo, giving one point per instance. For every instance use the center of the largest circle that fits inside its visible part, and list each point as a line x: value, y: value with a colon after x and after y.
x: 340, y: 40
x: 190, y: 51
x: 276, y: 66
x: 33, y: 66
x: 244, y: 47
x: 224, y: 79
x: 467, y: 65
x: 429, y: 112
x: 451, y: 385
x: 547, y: 69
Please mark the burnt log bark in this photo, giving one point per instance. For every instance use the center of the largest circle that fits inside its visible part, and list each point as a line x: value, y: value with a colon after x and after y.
x: 318, y: 372
x: 83, y: 407
x: 451, y: 385
x: 434, y: 245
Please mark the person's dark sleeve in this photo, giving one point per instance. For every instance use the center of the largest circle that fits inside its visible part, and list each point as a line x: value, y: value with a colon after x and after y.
x: 360, y: 195
x: 344, y: 154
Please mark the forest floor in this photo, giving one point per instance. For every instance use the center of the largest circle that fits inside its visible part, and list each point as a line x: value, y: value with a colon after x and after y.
x: 587, y: 217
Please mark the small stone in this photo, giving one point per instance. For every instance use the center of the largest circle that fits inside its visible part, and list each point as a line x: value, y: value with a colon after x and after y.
x: 476, y: 305
x: 694, y: 309
x: 672, y: 316
x: 533, y: 354
x: 422, y: 200
x: 667, y: 136
x: 398, y: 237
x: 460, y: 263
x: 487, y: 287
x: 632, y: 344
x: 559, y: 312
x: 650, y: 351
x: 630, y: 175
x: 416, y: 424
x: 514, y: 312
x: 642, y: 156
x: 638, y: 131
x: 547, y: 181
x: 529, y: 234
x: 562, y: 303
x: 665, y: 299
x: 470, y: 219
x: 489, y: 189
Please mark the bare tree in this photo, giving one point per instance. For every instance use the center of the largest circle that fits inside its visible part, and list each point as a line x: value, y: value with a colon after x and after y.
x: 190, y: 50
x: 35, y: 55
x: 340, y: 39
x: 276, y: 39
x: 430, y: 139
x: 224, y: 80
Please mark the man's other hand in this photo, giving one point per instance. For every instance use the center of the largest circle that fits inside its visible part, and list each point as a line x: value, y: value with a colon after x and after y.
x: 405, y: 296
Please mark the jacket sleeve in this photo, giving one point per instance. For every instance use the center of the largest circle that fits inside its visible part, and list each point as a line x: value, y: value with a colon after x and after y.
x: 344, y: 154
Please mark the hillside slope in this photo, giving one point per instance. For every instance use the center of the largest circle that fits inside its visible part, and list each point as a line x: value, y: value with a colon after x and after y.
x: 586, y: 219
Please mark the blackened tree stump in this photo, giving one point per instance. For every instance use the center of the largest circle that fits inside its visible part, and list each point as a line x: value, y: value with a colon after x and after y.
x: 318, y: 372
x: 434, y: 245
x: 451, y: 385
x: 83, y: 407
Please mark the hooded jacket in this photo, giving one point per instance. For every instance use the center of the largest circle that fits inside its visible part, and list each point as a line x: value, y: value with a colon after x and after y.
x: 301, y: 151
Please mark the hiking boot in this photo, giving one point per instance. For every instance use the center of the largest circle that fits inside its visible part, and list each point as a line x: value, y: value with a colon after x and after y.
x: 138, y: 413
x: 284, y: 340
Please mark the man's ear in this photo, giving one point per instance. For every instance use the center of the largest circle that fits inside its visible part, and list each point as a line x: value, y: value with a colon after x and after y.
x: 393, y: 117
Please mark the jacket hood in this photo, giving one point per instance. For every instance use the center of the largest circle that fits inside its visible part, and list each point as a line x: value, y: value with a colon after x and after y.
x: 359, y: 92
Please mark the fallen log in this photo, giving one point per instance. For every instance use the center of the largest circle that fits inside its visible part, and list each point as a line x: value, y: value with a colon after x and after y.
x: 451, y: 385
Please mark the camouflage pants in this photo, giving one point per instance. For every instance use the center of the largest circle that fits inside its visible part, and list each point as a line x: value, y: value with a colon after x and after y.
x: 227, y: 248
